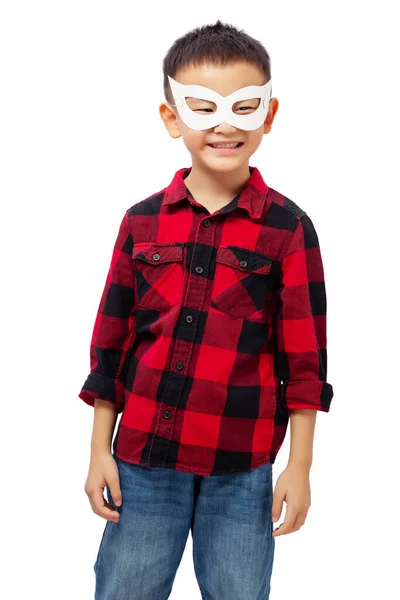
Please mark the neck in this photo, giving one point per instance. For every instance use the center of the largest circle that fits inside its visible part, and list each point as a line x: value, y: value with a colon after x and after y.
x: 215, y: 187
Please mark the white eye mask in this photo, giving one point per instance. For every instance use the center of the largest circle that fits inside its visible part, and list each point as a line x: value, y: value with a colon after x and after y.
x: 224, y: 112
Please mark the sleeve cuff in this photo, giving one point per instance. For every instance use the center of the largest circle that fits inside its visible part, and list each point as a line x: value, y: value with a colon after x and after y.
x: 315, y: 395
x: 105, y: 388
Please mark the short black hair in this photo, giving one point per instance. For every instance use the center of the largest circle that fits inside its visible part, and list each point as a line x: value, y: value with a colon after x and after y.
x: 214, y: 44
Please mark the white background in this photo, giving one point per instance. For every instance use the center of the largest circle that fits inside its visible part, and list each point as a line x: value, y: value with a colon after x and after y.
x: 81, y: 141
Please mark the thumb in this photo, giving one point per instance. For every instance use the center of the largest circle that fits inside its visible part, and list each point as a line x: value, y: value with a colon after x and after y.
x: 115, y: 492
x: 277, y: 507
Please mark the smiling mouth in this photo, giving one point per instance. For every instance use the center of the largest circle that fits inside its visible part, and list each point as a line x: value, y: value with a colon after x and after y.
x: 227, y: 146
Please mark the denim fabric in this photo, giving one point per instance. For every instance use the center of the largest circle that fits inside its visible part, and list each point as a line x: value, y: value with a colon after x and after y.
x: 229, y: 517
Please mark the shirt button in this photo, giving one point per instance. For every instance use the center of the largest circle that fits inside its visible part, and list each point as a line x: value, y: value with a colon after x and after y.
x: 207, y: 223
x: 243, y: 263
x: 199, y: 269
x: 156, y: 256
x: 189, y: 318
x: 167, y: 414
x: 179, y: 365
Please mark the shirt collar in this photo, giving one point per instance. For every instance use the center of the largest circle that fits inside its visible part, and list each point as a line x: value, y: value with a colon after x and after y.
x: 252, y: 197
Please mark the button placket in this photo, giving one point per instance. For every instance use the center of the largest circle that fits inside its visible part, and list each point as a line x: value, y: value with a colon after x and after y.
x: 194, y: 299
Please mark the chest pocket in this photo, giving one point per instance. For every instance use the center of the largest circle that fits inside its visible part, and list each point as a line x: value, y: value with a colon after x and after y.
x: 159, y: 274
x: 242, y: 283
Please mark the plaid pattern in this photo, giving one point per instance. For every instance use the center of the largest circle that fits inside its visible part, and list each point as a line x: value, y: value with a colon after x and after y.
x: 210, y: 329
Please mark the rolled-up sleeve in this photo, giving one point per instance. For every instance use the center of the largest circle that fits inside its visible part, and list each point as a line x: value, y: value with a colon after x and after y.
x: 114, y: 326
x: 301, y: 323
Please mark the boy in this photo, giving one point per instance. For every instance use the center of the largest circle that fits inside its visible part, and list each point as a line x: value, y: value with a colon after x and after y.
x: 210, y: 336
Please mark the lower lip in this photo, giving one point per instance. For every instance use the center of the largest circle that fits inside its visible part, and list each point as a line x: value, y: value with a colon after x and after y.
x: 226, y: 150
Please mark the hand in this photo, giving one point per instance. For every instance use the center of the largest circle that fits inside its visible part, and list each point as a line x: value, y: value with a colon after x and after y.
x: 293, y: 486
x: 103, y: 470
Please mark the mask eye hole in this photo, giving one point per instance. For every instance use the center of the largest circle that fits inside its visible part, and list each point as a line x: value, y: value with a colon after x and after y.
x: 246, y: 106
x: 200, y: 106
x: 204, y: 107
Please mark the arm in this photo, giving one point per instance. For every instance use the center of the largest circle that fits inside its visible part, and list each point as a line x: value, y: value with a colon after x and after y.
x: 105, y: 417
x: 301, y: 324
x: 103, y: 469
x: 302, y: 427
x: 112, y: 336
x: 293, y: 484
x: 302, y: 355
x: 302, y: 366
x: 114, y: 326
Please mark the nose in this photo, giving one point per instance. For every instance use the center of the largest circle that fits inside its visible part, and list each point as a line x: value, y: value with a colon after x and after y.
x: 225, y: 128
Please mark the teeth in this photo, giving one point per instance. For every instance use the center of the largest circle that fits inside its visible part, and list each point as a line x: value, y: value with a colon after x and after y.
x: 225, y: 145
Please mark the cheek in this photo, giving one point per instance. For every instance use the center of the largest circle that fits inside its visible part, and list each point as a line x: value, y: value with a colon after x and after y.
x: 254, y: 138
x: 193, y: 140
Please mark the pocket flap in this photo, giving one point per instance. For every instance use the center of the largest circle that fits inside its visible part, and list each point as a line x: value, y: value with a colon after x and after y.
x: 244, y: 259
x: 156, y: 253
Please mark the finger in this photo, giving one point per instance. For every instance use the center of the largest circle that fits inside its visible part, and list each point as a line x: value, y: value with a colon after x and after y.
x: 277, y: 506
x: 101, y: 507
x: 286, y: 526
x: 300, y: 520
x: 115, y: 491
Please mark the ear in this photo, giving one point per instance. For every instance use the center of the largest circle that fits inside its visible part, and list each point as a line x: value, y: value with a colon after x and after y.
x: 170, y: 119
x: 272, y: 110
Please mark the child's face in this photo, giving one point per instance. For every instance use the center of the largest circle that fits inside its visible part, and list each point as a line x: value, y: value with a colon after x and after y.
x: 223, y: 79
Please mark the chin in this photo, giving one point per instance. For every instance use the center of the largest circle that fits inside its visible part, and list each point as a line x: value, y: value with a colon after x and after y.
x: 222, y: 164
x: 226, y: 165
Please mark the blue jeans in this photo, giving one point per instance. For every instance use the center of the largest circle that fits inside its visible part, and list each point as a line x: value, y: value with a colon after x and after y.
x: 230, y: 520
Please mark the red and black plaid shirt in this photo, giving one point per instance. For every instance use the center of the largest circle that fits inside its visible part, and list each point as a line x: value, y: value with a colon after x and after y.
x: 210, y: 329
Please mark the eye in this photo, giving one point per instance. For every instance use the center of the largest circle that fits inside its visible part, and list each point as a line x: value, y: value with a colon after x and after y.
x: 241, y: 109
x: 203, y: 109
x: 200, y: 105
x: 254, y: 104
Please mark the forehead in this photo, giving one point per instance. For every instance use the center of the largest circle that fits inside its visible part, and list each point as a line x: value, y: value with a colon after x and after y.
x: 223, y: 79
